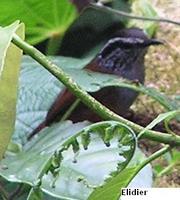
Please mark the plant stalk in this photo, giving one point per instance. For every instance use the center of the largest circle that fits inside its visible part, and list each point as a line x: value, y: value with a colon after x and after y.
x: 127, y: 15
x: 152, y: 157
x: 87, y: 99
x: 53, y: 45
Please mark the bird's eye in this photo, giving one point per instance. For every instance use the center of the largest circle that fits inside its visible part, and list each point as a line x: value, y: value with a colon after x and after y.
x: 111, y: 56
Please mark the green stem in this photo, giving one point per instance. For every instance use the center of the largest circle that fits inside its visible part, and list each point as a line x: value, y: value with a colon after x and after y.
x: 70, y: 110
x: 166, y: 170
x: 127, y: 15
x: 154, y: 156
x: 53, y: 45
x: 87, y: 99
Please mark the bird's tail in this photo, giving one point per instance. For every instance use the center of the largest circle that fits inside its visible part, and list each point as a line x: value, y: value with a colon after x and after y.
x: 37, y: 129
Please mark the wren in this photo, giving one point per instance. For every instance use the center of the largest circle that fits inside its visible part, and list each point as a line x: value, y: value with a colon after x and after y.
x: 123, y: 55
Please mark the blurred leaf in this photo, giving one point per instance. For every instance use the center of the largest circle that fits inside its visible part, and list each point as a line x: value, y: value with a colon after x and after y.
x: 14, y: 147
x: 92, y: 28
x: 10, y: 57
x: 81, y: 4
x: 176, y: 100
x: 43, y: 19
x: 144, y: 8
x: 78, y: 171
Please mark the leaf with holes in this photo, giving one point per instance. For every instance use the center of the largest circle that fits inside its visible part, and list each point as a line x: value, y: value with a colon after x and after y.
x: 132, y: 176
x: 63, y: 166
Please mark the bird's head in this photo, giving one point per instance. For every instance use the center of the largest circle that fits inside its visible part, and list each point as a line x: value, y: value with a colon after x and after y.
x: 134, y: 38
x: 126, y: 47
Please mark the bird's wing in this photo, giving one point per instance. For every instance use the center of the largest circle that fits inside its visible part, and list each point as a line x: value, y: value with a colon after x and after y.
x: 62, y: 102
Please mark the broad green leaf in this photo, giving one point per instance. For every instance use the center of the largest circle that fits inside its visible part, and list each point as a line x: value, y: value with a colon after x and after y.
x: 144, y: 8
x: 49, y: 157
x: 38, y: 89
x: 43, y: 19
x: 10, y: 57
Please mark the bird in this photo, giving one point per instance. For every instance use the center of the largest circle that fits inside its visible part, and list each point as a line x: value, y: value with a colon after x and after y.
x: 122, y: 55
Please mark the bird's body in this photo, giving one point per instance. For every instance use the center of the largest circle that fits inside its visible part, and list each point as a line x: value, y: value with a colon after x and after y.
x: 123, y: 55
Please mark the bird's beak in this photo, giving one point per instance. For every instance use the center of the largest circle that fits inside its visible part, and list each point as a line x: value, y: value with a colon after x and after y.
x: 155, y: 42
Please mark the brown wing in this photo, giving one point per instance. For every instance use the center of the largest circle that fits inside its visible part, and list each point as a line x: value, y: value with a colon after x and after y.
x: 62, y: 102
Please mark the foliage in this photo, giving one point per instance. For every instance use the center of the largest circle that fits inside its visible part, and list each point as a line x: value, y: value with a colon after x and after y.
x: 31, y: 99
x: 66, y: 160
x: 9, y: 72
x: 43, y: 19
x: 144, y: 8
x: 60, y: 163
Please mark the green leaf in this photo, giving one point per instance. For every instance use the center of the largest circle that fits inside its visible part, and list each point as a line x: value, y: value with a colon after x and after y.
x: 91, y: 29
x: 43, y: 19
x: 111, y: 190
x: 146, y: 9
x: 130, y: 176
x: 158, y: 119
x: 10, y: 57
x: 38, y: 89
x: 49, y: 162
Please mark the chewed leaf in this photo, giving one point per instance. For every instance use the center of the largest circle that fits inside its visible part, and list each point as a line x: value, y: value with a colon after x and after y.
x: 49, y: 158
x: 10, y: 57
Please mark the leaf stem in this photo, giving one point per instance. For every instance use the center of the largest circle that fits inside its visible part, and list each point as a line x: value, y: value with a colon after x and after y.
x: 154, y: 156
x: 87, y: 99
x: 70, y: 110
x: 53, y: 44
x: 127, y: 15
